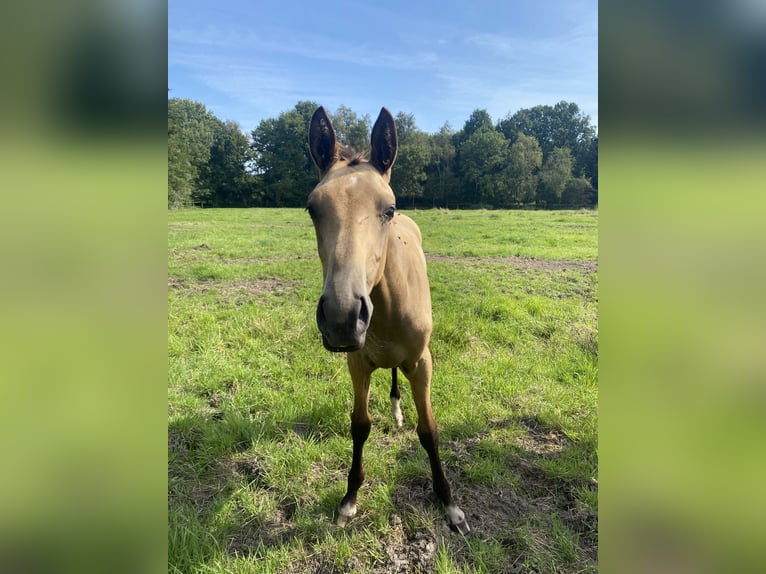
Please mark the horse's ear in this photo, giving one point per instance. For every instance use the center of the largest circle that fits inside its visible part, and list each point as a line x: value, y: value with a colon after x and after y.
x: 324, y: 150
x: 384, y: 142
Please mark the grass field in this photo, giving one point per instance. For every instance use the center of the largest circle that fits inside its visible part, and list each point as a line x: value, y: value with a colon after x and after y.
x: 258, y: 412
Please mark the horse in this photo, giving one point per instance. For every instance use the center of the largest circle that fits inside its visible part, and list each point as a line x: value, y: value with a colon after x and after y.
x: 375, y: 304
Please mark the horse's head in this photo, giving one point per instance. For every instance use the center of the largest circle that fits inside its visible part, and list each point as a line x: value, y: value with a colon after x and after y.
x: 351, y: 208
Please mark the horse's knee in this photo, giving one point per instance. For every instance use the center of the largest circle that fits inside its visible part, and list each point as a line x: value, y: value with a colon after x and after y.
x: 360, y: 430
x: 429, y: 439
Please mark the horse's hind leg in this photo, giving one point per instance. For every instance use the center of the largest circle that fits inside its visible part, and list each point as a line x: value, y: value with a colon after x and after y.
x: 396, y: 397
x: 420, y: 379
x: 360, y: 430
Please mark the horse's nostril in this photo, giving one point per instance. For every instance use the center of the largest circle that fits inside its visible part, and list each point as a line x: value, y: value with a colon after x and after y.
x: 365, y: 312
x: 321, y: 319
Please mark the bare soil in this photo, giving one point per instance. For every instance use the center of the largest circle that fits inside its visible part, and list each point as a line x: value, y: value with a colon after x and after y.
x: 521, y: 262
x: 519, y: 519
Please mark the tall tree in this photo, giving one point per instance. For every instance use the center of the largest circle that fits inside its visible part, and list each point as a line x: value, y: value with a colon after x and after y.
x: 562, y: 125
x: 282, y: 158
x: 479, y: 119
x: 350, y: 129
x: 578, y: 192
x: 226, y: 174
x: 526, y: 157
x: 590, y: 168
x: 440, y: 171
x: 555, y: 174
x: 484, y: 161
x: 191, y: 130
x: 411, y: 160
x: 208, y: 160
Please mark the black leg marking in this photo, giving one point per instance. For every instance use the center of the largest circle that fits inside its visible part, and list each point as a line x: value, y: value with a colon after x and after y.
x: 394, y: 385
x: 457, y: 521
x: 430, y: 442
x: 359, y: 432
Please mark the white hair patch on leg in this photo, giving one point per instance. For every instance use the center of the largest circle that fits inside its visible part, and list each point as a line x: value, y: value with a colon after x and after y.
x: 396, y: 410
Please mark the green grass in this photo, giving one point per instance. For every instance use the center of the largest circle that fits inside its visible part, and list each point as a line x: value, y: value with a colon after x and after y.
x: 258, y: 411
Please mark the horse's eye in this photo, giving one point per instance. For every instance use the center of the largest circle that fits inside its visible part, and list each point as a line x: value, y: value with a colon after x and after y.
x: 388, y: 215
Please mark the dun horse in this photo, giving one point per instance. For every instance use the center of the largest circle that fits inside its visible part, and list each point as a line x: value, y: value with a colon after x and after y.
x: 376, y: 304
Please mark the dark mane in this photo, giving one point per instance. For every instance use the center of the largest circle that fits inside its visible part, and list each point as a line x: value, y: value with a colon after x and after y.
x: 352, y: 156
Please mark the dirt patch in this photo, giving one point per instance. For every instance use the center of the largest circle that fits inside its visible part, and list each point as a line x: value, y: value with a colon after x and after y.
x: 198, y: 494
x: 406, y: 552
x: 544, y: 445
x: 520, y: 521
x: 240, y: 290
x: 524, y: 516
x: 272, y: 259
x: 540, y: 438
x: 253, y: 536
x: 497, y: 515
x: 522, y: 262
x: 250, y: 469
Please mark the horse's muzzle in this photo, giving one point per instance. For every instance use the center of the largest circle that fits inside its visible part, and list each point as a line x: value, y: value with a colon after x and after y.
x: 344, y: 330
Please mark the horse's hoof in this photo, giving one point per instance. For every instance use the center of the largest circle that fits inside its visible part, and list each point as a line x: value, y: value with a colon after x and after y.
x: 345, y: 513
x: 461, y: 527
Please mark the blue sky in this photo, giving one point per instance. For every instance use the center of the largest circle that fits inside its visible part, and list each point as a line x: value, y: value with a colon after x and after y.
x: 439, y: 60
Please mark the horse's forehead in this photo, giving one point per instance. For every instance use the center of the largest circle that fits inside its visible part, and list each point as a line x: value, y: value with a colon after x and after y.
x: 344, y: 180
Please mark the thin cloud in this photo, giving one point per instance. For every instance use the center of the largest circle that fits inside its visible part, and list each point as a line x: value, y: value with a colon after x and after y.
x: 575, y: 51
x: 440, y: 69
x: 308, y: 47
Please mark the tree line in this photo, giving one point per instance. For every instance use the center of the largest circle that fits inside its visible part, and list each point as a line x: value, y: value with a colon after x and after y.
x: 541, y: 157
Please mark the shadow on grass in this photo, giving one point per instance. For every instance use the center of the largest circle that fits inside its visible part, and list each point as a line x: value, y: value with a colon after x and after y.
x: 211, y: 461
x: 511, y: 477
x: 521, y: 494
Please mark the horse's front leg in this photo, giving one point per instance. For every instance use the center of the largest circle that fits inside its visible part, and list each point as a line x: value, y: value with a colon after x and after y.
x: 419, y: 376
x: 360, y: 430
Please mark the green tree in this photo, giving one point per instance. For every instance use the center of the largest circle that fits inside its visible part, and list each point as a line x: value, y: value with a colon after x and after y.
x: 282, y: 159
x: 191, y: 131
x: 440, y: 172
x: 590, y: 168
x: 554, y: 176
x: 350, y: 129
x: 526, y: 157
x: 467, y: 187
x: 226, y: 174
x: 562, y: 125
x: 479, y: 119
x: 413, y: 156
x: 578, y: 192
x: 484, y: 159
